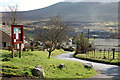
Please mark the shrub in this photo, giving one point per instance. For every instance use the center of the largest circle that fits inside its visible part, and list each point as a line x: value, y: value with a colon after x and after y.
x: 82, y: 43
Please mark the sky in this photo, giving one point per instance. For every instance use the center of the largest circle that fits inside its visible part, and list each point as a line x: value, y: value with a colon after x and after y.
x: 26, y: 5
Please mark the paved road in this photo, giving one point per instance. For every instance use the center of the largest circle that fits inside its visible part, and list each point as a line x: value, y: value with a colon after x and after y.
x: 106, y: 70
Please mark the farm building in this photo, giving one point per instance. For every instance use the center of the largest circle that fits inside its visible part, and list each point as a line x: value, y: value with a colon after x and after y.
x: 107, y: 44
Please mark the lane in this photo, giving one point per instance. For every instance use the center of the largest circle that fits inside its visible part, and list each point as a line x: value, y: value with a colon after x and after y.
x: 106, y: 70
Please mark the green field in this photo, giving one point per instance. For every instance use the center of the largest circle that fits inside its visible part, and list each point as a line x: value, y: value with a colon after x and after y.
x: 23, y: 67
x: 101, y: 56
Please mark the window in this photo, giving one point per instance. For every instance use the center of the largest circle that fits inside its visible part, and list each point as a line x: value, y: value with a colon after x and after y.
x: 3, y: 44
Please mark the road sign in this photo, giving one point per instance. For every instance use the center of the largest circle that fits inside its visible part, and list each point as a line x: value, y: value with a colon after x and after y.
x: 17, y: 34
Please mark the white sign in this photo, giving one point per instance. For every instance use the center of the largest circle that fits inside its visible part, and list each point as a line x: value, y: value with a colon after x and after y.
x: 17, y: 33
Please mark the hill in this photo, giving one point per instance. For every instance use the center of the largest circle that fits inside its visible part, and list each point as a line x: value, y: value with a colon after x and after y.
x: 76, y: 11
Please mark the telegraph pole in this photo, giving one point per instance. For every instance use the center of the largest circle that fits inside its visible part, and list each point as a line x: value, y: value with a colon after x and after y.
x: 88, y: 35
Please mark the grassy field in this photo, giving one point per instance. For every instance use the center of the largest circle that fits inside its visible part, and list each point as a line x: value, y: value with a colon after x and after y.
x: 91, y: 39
x: 99, y: 56
x: 23, y: 67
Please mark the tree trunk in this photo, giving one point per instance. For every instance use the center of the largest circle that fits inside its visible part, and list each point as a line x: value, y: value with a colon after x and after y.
x: 49, y: 55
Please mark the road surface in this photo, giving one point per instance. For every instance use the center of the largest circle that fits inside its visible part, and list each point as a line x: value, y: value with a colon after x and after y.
x: 106, y: 70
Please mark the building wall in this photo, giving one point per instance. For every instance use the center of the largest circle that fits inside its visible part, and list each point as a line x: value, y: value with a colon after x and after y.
x: 0, y: 39
x: 5, y: 38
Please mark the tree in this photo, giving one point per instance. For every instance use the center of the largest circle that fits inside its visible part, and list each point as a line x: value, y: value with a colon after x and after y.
x: 53, y: 33
x: 12, y: 17
x: 82, y: 43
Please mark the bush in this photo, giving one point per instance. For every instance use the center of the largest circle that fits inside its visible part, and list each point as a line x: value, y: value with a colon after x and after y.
x: 69, y: 49
x: 82, y: 43
x: 5, y: 48
x: 10, y: 48
x: 27, y: 46
x: 38, y: 47
x: 58, y: 47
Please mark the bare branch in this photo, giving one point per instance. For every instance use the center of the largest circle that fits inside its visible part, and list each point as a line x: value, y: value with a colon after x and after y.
x: 56, y: 32
x: 13, y: 17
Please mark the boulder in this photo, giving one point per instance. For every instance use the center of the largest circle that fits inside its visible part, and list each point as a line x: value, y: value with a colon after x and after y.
x: 88, y: 65
x: 62, y: 66
x: 38, y: 71
x: 38, y: 66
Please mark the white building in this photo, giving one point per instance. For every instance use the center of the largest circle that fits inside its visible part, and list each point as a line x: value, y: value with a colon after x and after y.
x: 67, y: 44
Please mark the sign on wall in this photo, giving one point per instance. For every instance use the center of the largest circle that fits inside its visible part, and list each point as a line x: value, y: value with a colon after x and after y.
x: 17, y: 34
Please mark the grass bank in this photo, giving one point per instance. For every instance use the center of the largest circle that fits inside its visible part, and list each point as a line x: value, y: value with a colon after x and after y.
x: 23, y: 67
x: 99, y: 57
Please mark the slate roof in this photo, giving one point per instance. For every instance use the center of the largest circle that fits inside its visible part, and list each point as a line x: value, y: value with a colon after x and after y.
x: 106, y: 42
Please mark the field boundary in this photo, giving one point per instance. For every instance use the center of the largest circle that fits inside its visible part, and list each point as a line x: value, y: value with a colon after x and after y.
x: 98, y: 61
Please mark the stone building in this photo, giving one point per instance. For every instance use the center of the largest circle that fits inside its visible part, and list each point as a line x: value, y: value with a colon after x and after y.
x: 5, y: 39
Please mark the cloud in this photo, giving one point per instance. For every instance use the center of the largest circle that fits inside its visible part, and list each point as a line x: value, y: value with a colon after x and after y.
x: 35, y: 4
x: 4, y: 1
x: 25, y: 5
x: 1, y: 8
x: 91, y: 0
x: 73, y: 0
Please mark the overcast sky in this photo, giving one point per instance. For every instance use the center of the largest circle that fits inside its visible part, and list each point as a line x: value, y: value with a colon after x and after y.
x: 25, y: 5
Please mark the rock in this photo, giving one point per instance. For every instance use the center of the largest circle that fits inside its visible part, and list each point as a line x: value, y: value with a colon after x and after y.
x: 38, y: 66
x: 88, y: 65
x: 38, y: 71
x: 62, y: 66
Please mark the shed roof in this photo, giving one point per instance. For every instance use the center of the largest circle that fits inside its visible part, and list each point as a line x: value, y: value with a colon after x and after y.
x: 106, y: 42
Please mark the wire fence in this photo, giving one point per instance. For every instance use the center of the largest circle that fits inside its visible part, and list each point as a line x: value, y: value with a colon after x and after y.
x: 103, y: 54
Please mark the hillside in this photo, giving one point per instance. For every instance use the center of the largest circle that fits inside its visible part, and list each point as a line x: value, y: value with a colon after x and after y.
x: 79, y: 11
x: 76, y: 11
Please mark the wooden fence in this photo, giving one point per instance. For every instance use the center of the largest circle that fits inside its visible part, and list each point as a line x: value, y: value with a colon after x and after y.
x: 103, y: 54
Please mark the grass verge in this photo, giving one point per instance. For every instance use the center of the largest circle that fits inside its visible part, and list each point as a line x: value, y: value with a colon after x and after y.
x: 23, y: 66
x: 99, y: 58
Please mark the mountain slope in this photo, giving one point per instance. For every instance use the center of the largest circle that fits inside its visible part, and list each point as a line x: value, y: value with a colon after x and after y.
x: 76, y: 11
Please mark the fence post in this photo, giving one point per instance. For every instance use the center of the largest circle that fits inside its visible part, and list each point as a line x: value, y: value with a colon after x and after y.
x: 113, y: 53
x: 88, y: 52
x: 12, y: 51
x: 108, y: 53
x: 20, y: 50
x: 94, y: 52
x: 100, y: 52
x: 104, y: 53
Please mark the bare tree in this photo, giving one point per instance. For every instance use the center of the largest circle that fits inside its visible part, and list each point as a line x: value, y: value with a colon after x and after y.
x: 13, y: 17
x: 53, y: 33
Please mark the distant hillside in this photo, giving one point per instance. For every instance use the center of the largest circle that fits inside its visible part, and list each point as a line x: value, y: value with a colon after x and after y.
x: 76, y: 11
